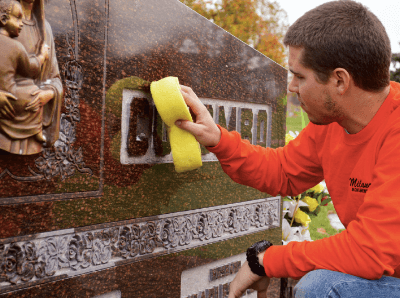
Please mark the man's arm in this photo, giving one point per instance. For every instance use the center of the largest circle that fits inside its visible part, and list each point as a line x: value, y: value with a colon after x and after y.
x: 274, y: 171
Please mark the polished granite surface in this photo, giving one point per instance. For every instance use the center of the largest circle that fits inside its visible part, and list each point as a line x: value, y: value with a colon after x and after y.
x: 145, y: 41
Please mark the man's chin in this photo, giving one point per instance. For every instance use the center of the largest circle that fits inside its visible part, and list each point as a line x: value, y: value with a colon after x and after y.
x: 316, y: 122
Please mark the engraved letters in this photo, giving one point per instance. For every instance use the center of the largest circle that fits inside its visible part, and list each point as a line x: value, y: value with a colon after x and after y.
x: 144, y: 138
x: 225, y: 270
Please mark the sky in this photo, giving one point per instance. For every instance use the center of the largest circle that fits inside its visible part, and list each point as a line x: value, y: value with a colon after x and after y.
x: 387, y: 11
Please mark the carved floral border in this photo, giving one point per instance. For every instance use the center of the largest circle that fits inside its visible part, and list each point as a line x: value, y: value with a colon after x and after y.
x: 70, y: 252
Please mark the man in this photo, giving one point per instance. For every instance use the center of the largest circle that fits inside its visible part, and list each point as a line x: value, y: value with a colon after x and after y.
x: 340, y: 56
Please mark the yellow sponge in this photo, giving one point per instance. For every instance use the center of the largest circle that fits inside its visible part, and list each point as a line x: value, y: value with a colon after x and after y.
x: 171, y: 106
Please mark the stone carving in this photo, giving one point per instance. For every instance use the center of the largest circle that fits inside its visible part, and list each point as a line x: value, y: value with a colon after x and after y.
x: 68, y: 252
x: 32, y: 118
x: 140, y: 144
x: 61, y: 159
x: 64, y: 160
x: 225, y: 270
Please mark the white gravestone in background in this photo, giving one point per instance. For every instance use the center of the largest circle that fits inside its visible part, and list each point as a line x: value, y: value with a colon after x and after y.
x: 212, y: 280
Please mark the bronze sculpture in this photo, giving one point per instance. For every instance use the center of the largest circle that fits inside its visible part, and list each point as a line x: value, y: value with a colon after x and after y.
x: 40, y: 95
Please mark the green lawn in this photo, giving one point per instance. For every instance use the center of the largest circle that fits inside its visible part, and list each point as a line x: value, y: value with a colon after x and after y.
x: 294, y: 123
x: 321, y: 221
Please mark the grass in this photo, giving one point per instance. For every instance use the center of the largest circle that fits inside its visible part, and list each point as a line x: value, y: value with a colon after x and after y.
x: 294, y: 123
x: 321, y: 220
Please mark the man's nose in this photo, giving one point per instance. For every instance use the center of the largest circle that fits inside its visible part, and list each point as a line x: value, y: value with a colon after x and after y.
x: 292, y: 86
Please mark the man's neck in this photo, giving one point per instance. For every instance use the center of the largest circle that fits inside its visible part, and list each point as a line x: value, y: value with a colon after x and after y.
x: 360, y: 108
x: 27, y: 10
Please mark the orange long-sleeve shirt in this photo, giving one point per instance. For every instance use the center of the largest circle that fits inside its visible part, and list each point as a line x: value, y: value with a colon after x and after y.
x: 362, y: 173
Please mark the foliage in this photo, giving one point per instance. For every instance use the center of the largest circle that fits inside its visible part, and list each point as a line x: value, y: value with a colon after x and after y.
x: 395, y: 75
x: 298, y: 212
x: 259, y: 23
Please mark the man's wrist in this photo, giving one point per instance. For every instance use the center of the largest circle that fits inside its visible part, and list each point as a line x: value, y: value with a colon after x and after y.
x: 216, y: 137
x: 218, y: 134
x: 261, y: 258
x: 255, y: 254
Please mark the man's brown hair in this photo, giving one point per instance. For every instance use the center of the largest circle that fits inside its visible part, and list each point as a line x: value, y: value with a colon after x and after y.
x: 344, y: 34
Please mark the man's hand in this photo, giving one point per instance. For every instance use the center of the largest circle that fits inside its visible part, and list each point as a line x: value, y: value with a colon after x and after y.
x: 246, y: 279
x: 203, y: 128
x: 6, y: 109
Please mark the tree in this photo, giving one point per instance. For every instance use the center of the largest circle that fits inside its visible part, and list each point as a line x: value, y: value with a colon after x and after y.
x: 395, y: 75
x: 259, y: 23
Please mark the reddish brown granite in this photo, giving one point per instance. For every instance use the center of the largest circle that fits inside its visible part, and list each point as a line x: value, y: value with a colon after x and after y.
x: 112, y: 42
x: 157, y: 278
x: 211, y: 61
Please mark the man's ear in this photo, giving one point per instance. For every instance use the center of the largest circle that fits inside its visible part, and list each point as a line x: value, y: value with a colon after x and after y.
x: 342, y: 80
x: 3, y: 19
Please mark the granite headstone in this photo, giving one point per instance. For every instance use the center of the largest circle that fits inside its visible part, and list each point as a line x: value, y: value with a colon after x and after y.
x: 97, y: 209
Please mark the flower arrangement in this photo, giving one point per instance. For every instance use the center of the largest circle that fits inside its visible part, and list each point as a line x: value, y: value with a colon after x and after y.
x: 297, y: 210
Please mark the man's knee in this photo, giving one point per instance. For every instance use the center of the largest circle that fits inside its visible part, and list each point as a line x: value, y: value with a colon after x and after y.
x: 315, y: 283
x: 332, y: 284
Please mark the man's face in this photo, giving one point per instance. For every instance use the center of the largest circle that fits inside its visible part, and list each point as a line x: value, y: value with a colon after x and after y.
x: 315, y: 98
x: 14, y: 23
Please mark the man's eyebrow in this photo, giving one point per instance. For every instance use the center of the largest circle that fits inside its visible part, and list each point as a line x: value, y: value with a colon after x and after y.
x: 293, y: 72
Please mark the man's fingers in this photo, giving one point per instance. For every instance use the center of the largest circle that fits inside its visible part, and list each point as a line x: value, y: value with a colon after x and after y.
x: 261, y: 286
x: 262, y: 294
x: 188, y: 126
x: 243, y: 280
x: 204, y: 129
x: 192, y: 100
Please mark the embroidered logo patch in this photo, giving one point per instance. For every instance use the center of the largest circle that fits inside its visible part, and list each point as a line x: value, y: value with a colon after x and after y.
x: 358, y: 185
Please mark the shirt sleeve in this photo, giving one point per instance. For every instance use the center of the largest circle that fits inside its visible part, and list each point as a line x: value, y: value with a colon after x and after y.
x: 369, y: 247
x: 288, y: 170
